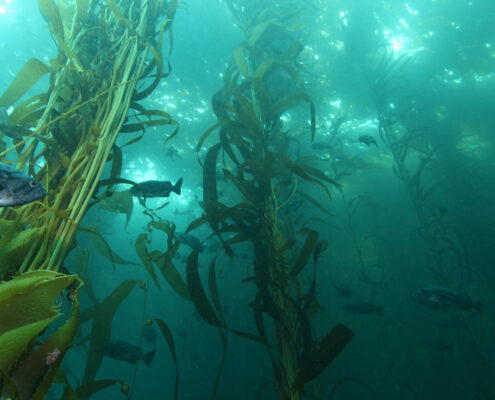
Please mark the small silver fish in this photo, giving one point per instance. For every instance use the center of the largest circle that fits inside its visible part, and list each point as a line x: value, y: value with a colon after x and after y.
x: 18, y: 188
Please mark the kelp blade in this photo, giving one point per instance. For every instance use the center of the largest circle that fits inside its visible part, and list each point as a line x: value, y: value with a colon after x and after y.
x: 329, y: 348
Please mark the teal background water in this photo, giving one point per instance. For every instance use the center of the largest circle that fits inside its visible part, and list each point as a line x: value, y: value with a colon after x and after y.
x: 411, y: 352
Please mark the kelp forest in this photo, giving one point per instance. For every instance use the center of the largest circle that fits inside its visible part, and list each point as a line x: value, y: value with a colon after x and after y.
x: 247, y: 199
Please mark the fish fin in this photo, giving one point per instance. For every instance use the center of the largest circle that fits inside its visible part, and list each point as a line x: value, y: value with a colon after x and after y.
x: 177, y: 186
x: 148, y: 357
x: 379, y: 310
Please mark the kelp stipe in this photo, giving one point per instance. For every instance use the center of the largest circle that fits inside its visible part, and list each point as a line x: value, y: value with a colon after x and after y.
x: 260, y: 84
x: 65, y: 137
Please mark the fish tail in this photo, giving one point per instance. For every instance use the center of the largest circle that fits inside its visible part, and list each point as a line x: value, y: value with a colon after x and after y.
x: 379, y: 310
x: 177, y: 186
x: 148, y: 357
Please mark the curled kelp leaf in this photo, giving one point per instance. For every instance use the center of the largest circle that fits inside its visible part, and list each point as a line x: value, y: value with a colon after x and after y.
x: 171, y: 274
x: 118, y: 202
x: 103, y: 247
x: 142, y: 251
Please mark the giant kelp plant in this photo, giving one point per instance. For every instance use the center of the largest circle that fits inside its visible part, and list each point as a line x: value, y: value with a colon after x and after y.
x: 253, y: 152
x: 109, y: 58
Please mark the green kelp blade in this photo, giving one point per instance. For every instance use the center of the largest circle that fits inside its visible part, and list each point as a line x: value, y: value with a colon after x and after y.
x: 311, y: 200
x: 167, y: 334
x: 306, y: 251
x: 34, y: 377
x: 241, y: 61
x: 50, y: 13
x: 205, y: 135
x: 14, y: 247
x: 102, y: 326
x: 212, y: 284
x: 171, y: 274
x: 103, y: 247
x: 210, y: 194
x: 323, y: 354
x: 81, y: 269
x: 118, y: 13
x: 293, y: 99
x: 29, y: 111
x: 119, y: 202
x: 300, y: 171
x: 145, y: 257
x: 318, y: 174
x: 30, y: 73
x: 197, y: 292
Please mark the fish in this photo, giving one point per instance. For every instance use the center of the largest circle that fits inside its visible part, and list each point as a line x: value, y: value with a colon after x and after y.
x: 173, y: 153
x: 344, y: 291
x: 149, y: 189
x: 321, y: 145
x: 363, y: 307
x: 367, y: 140
x: 439, y: 297
x: 149, y: 333
x: 123, y: 351
x: 18, y: 188
x: 190, y: 240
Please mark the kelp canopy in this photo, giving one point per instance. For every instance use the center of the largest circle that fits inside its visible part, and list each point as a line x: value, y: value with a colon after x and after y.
x: 109, y: 58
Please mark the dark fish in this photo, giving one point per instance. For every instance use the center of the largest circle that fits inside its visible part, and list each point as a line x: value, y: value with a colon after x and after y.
x: 18, y: 188
x: 190, y: 240
x: 344, y: 291
x: 437, y: 297
x: 367, y: 140
x: 321, y: 145
x: 149, y: 333
x: 123, y: 351
x: 181, y: 331
x: 363, y: 307
x: 156, y: 189
x: 173, y: 153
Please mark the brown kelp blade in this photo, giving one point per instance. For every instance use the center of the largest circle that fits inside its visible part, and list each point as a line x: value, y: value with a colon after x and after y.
x: 102, y: 326
x: 167, y: 334
x: 323, y: 354
x: 143, y: 254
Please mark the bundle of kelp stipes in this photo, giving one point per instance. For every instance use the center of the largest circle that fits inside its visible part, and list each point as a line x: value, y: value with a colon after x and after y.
x: 106, y: 51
